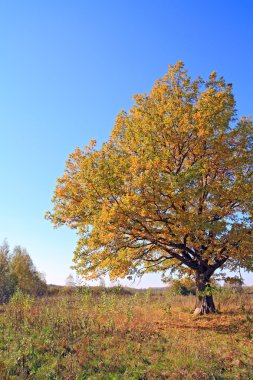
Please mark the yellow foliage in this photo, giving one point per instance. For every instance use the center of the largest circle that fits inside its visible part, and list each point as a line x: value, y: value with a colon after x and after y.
x: 172, y: 187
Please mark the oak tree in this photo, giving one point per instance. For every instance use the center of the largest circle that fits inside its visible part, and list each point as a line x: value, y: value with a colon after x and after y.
x: 170, y: 189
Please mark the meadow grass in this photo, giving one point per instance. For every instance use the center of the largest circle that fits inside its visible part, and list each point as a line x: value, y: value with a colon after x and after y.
x: 109, y: 335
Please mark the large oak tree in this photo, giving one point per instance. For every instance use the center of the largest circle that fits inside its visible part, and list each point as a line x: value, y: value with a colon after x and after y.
x: 172, y: 187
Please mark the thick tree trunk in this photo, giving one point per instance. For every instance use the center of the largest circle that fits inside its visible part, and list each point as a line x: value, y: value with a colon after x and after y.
x: 204, y: 298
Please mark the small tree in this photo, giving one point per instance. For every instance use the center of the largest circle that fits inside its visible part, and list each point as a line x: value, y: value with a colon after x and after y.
x: 102, y: 282
x: 26, y: 277
x: 70, y: 281
x: 18, y: 272
x: 7, y: 282
x: 183, y: 286
x: 233, y: 283
x: 171, y: 189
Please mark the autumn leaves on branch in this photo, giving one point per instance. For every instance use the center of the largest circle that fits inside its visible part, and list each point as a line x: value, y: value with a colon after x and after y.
x: 171, y: 188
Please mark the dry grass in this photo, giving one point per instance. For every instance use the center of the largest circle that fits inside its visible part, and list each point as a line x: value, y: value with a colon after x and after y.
x: 112, y: 336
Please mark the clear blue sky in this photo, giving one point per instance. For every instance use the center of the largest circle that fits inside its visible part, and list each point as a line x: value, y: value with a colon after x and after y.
x: 68, y: 67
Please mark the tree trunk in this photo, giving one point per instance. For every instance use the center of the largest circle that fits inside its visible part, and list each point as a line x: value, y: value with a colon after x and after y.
x: 204, y: 298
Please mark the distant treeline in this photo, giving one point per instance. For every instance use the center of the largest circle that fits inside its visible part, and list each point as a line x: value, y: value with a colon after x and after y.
x: 17, y: 272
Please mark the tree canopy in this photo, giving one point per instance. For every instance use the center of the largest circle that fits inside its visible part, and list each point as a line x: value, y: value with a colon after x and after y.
x: 170, y: 189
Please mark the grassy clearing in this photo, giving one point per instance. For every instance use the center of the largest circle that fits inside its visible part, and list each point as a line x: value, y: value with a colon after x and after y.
x: 113, y: 336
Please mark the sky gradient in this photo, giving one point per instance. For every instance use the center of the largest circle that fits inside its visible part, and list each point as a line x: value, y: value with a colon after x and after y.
x: 68, y: 67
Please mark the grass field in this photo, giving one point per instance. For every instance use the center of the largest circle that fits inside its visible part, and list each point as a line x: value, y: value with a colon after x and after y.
x: 110, y: 334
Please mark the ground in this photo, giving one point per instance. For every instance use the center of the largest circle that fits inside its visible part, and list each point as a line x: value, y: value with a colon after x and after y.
x: 110, y: 334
